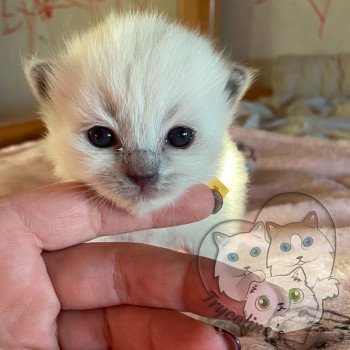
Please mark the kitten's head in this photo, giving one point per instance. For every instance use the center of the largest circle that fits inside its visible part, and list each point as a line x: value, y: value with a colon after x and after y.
x: 137, y: 108
x: 244, y: 251
x: 283, y: 303
x: 297, y: 244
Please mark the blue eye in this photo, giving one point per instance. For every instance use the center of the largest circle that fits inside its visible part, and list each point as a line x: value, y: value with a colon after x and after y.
x: 285, y: 247
x: 233, y: 257
x: 308, y: 241
x: 255, y: 252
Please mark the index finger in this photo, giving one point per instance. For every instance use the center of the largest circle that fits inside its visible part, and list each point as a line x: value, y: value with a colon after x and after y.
x: 98, y: 275
x: 62, y: 215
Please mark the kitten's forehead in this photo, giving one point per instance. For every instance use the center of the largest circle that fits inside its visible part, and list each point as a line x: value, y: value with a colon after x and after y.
x: 142, y: 67
x: 243, y: 241
x: 294, y: 229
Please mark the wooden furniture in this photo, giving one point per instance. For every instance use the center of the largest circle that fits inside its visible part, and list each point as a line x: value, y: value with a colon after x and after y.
x: 21, y: 131
x: 203, y: 15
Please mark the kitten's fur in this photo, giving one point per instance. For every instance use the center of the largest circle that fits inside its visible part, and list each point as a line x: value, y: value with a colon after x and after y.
x: 140, y: 76
x: 250, y: 268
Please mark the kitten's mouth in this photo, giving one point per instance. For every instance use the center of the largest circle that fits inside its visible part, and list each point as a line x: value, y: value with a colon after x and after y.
x: 300, y: 263
x: 145, y: 193
x: 281, y: 308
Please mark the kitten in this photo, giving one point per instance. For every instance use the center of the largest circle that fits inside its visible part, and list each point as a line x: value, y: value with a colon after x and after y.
x: 290, y: 307
x: 285, y: 303
x: 241, y: 260
x: 138, y: 108
x: 300, y: 244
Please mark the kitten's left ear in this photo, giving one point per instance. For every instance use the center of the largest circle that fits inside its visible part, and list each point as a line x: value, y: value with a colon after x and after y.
x: 238, y: 82
x: 220, y: 238
x: 38, y: 75
x: 311, y: 220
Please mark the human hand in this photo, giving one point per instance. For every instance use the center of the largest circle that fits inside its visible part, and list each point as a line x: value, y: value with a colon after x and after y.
x: 55, y: 292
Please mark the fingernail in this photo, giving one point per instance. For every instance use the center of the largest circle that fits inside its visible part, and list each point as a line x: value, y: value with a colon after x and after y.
x: 218, y: 201
x: 231, y: 340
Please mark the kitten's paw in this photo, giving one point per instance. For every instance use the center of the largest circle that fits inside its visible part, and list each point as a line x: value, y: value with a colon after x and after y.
x: 326, y: 288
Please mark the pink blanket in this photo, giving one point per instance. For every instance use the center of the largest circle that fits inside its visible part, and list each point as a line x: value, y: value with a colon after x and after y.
x: 310, y: 166
x: 320, y: 169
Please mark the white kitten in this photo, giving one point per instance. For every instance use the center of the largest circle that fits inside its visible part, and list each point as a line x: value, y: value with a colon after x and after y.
x: 241, y: 259
x: 300, y: 244
x: 138, y: 109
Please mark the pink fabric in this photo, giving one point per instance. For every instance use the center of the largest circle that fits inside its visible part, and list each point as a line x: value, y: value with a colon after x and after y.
x: 321, y: 169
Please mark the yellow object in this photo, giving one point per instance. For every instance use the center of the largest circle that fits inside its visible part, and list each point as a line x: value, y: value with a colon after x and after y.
x: 216, y: 184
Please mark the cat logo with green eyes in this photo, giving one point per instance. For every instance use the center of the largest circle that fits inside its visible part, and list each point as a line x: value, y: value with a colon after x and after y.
x: 279, y: 267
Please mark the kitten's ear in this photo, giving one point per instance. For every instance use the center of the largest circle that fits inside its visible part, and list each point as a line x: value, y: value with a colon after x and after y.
x: 311, y: 220
x: 299, y: 274
x: 272, y: 230
x: 238, y: 82
x: 38, y: 74
x: 259, y: 231
x: 220, y: 238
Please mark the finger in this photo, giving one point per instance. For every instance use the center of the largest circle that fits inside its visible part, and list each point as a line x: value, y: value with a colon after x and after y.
x: 57, y: 221
x: 132, y: 327
x: 99, y: 275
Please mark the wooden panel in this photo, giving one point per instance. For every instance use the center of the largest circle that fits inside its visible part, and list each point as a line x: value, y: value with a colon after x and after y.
x: 17, y: 132
x: 201, y: 14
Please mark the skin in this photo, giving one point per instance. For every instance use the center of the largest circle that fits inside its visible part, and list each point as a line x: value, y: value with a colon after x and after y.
x: 56, y: 292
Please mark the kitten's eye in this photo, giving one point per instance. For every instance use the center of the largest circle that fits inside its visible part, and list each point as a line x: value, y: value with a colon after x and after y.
x: 255, y: 252
x: 263, y: 303
x: 308, y: 241
x: 296, y: 295
x: 101, y: 137
x: 180, y: 137
x: 285, y: 247
x: 233, y: 257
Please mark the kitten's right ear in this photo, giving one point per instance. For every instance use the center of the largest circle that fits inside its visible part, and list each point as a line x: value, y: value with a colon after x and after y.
x: 38, y: 74
x: 272, y: 229
x: 311, y: 220
x: 238, y: 82
x: 220, y: 238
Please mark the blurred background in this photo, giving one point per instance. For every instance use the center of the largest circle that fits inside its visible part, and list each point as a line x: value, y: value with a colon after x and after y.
x: 300, y: 48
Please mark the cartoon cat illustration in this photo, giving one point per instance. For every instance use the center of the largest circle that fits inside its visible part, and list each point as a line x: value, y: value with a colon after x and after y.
x: 267, y: 304
x: 241, y: 260
x: 300, y: 244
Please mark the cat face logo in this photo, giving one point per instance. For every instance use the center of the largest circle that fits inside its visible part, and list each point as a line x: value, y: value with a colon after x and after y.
x: 283, y: 315
x: 280, y: 268
x: 300, y: 244
x: 241, y: 259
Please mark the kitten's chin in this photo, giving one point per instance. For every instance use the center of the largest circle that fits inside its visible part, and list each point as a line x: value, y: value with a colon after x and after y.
x: 141, y: 204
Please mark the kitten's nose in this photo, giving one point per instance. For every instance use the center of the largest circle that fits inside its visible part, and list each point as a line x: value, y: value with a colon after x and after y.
x: 142, y: 180
x: 299, y: 257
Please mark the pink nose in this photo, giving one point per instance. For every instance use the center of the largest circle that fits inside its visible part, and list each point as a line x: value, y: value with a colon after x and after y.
x: 143, y: 180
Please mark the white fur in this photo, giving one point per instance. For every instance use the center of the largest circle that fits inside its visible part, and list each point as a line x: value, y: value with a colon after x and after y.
x: 140, y: 76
